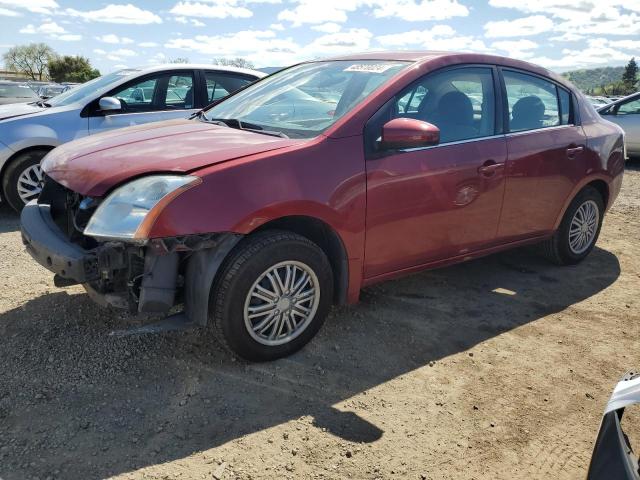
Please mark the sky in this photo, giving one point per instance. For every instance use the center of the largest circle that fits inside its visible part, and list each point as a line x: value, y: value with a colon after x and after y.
x: 557, y: 34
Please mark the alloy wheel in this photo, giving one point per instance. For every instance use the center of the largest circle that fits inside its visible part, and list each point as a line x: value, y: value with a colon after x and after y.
x: 30, y: 183
x: 281, y: 303
x: 584, y: 226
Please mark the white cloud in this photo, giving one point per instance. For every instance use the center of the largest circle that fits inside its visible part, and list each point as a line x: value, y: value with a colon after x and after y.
x: 625, y: 44
x: 35, y: 6
x: 51, y: 30
x: 276, y: 26
x: 439, y: 37
x: 186, y: 21
x: 5, y: 12
x: 126, y: 14
x: 111, y: 38
x: 317, y: 12
x: 124, y: 52
x: 420, y: 11
x: 69, y: 37
x: 218, y: 9
x: 259, y: 46
x: 568, y: 37
x: 314, y: 11
x: 148, y: 44
x: 46, y: 28
x: 329, y: 27
x: 516, y: 48
x: 569, y: 9
x: 352, y: 40
x: 597, y: 52
x: 115, y: 55
x: 577, y: 19
x: 519, y: 27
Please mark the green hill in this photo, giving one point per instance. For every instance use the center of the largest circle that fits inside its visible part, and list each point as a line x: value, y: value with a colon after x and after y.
x: 592, y: 78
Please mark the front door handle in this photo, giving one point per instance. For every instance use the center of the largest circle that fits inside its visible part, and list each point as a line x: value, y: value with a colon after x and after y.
x: 489, y: 168
x: 573, y: 151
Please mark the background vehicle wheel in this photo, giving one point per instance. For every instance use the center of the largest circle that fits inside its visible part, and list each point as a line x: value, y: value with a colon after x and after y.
x: 579, y: 229
x: 22, y: 180
x: 272, y: 295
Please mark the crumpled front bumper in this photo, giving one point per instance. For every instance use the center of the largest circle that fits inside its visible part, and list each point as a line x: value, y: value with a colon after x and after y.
x: 150, y: 278
x: 48, y: 246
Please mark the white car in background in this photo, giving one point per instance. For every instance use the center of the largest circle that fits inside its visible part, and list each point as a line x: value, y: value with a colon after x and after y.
x: 127, y: 97
x: 626, y: 113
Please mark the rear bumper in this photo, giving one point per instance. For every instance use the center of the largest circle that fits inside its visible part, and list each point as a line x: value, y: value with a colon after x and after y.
x: 50, y: 248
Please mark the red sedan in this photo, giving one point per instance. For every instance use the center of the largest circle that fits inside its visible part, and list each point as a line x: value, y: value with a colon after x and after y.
x: 297, y: 191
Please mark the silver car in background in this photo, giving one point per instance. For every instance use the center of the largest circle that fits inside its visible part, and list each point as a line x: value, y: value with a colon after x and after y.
x: 127, y: 97
x: 14, y: 92
x: 626, y: 113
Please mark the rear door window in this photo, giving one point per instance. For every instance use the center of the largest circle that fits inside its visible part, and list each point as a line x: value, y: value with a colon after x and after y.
x: 220, y: 84
x: 533, y: 102
x: 162, y: 91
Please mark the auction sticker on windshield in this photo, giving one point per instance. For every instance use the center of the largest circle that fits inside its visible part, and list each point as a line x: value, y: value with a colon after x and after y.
x: 371, y: 67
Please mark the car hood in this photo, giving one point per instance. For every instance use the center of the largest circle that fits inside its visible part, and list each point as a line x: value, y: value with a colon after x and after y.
x: 17, y: 109
x: 93, y: 165
x: 14, y: 100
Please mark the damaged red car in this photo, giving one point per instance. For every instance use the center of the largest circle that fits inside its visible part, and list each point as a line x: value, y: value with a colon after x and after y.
x: 302, y: 188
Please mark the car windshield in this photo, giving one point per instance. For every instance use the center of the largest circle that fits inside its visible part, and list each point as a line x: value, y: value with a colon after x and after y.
x: 305, y: 100
x: 16, y: 91
x: 89, y: 88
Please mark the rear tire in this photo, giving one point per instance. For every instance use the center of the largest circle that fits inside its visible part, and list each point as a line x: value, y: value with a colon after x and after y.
x: 578, y: 231
x: 23, y: 174
x: 272, y: 295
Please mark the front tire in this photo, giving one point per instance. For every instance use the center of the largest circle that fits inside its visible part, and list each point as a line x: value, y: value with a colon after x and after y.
x: 579, y: 229
x: 272, y: 295
x: 22, y: 181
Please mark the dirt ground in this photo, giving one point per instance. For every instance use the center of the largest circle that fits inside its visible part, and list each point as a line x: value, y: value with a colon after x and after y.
x: 497, y: 368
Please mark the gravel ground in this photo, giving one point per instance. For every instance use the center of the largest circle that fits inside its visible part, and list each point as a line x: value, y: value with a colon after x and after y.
x: 497, y: 368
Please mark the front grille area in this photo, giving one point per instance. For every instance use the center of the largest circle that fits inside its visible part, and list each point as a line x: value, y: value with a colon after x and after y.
x: 70, y: 211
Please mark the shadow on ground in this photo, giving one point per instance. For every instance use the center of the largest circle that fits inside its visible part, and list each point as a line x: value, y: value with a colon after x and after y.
x: 76, y: 403
x: 9, y: 220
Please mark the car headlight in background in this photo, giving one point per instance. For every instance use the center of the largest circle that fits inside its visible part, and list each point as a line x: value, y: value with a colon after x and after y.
x: 129, y: 212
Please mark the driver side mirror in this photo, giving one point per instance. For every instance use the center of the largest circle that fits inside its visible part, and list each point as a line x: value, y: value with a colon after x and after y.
x: 409, y: 133
x: 109, y: 104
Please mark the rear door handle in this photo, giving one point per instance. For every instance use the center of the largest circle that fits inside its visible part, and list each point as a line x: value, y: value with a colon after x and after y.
x: 572, y: 152
x: 488, y: 169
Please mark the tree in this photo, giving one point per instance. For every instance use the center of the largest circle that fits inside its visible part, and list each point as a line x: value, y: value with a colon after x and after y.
x: 630, y: 76
x: 233, y: 62
x: 32, y: 59
x: 71, y: 69
x: 179, y: 60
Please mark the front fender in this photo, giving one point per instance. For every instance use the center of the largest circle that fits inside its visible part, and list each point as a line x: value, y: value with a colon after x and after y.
x: 325, y: 181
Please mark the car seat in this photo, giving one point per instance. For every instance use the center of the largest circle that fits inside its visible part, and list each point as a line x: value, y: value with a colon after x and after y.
x: 454, y: 117
x: 527, y: 114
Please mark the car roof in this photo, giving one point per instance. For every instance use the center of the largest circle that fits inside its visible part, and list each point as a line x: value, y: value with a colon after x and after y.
x: 199, y: 66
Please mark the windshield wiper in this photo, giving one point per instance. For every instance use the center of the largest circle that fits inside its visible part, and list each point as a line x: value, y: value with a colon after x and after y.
x: 251, y: 127
x: 198, y: 114
x: 41, y: 103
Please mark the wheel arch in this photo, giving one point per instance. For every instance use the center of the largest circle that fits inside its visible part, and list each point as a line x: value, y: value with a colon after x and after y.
x: 600, y: 183
x: 603, y: 188
x: 329, y: 241
x: 11, y: 159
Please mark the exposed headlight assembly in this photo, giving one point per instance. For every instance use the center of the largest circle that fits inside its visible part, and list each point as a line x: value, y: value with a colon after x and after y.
x: 130, y: 211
